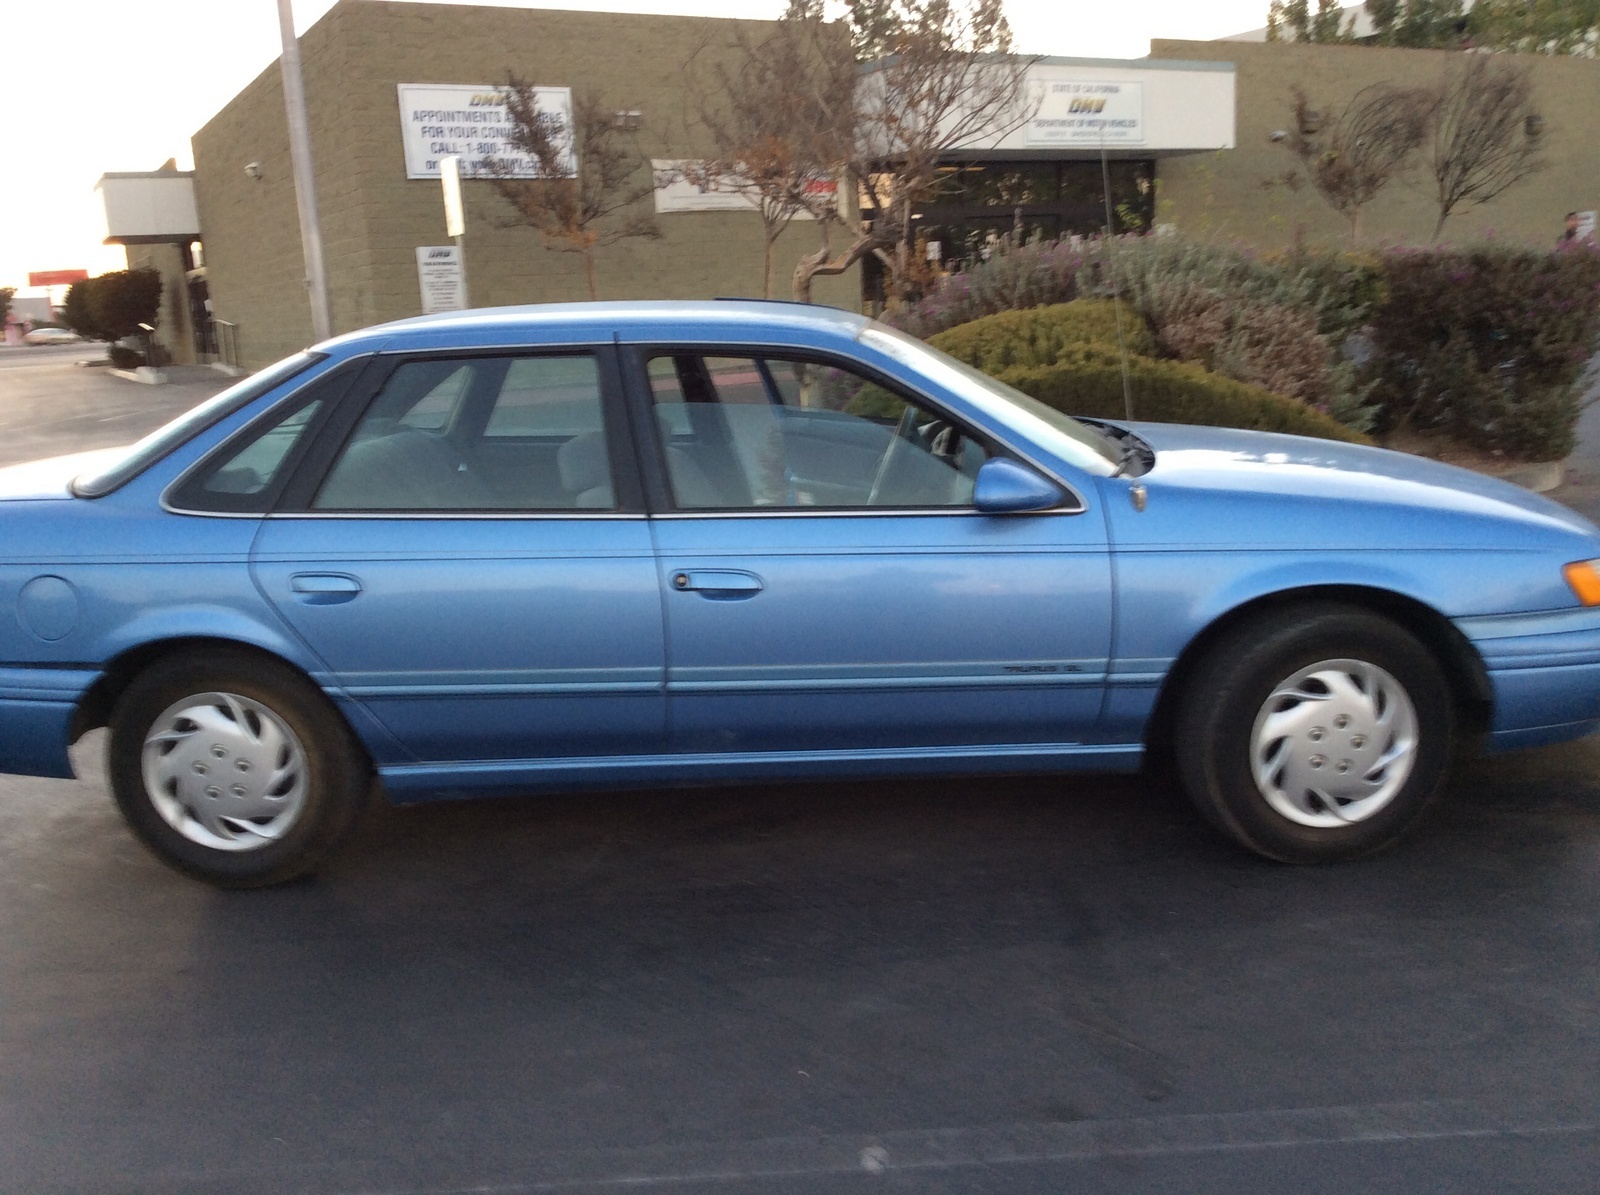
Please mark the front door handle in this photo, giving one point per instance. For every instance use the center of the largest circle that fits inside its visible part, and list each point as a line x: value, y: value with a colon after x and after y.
x: 324, y: 589
x: 717, y: 584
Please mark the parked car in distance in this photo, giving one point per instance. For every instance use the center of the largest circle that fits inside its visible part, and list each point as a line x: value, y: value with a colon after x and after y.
x: 51, y: 336
x: 601, y: 545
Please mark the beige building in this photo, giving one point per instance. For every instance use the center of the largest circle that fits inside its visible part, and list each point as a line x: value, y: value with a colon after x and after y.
x: 1224, y: 195
x: 1184, y: 137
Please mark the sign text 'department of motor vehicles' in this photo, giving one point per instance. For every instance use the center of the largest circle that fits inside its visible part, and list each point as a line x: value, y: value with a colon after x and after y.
x: 1081, y: 112
x: 469, y: 121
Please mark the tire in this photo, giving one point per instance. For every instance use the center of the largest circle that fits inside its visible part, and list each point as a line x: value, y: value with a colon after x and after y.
x: 273, y: 787
x: 1315, y: 734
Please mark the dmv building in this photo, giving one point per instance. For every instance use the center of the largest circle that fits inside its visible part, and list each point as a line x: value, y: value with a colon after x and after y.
x: 1184, y: 136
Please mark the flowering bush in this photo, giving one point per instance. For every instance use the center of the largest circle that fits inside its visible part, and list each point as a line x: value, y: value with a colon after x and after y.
x: 1014, y: 278
x: 1485, y: 346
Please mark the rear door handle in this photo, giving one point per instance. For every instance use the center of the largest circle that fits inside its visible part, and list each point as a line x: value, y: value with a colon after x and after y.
x: 323, y: 589
x: 723, y: 584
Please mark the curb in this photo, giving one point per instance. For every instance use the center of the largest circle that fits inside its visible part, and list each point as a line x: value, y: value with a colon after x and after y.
x: 145, y: 374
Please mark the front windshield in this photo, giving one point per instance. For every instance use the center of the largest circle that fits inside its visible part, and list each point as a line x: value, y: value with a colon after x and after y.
x: 1073, y: 441
x: 140, y: 456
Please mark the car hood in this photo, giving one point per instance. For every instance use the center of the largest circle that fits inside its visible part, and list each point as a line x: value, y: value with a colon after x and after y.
x: 52, y: 477
x: 1259, y: 487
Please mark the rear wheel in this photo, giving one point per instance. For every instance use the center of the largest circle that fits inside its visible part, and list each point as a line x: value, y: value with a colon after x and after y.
x: 1316, y: 733
x: 234, y: 768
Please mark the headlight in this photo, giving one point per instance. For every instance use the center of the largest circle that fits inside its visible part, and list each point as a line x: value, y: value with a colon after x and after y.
x: 1584, y: 577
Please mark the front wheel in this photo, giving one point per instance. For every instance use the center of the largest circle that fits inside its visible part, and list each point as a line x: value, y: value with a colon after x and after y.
x: 233, y: 768
x: 1316, y: 733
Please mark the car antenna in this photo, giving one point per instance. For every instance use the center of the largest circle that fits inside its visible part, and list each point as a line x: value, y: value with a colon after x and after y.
x: 1116, y: 288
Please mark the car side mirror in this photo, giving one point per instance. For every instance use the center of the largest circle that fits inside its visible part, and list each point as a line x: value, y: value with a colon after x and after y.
x: 1006, y: 487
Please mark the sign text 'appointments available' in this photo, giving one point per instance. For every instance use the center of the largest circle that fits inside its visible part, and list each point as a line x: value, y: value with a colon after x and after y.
x: 469, y: 121
x: 1081, y: 112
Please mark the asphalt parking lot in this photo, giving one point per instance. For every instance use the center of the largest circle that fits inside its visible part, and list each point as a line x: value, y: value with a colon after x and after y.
x: 956, y: 986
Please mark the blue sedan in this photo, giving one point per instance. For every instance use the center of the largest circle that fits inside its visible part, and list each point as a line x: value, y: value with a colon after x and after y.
x: 554, y: 548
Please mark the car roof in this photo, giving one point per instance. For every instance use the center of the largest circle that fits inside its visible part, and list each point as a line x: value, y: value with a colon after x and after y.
x: 733, y: 319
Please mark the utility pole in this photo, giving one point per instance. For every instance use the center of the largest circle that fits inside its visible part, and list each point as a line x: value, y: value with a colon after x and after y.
x: 305, y: 190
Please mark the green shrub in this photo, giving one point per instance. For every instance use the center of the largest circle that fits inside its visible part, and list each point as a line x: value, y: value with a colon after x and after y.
x: 1090, y: 384
x: 1487, y: 346
x: 123, y: 357
x: 1067, y: 356
x: 112, y: 306
x: 1038, y: 336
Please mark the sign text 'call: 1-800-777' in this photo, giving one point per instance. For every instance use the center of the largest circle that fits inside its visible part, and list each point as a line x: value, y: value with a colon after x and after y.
x: 468, y: 121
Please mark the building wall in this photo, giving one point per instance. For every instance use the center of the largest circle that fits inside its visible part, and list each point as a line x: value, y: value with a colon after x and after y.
x: 174, y: 327
x: 1222, y: 194
x: 374, y: 218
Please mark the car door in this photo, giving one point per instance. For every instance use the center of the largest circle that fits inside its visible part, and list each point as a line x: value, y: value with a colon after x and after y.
x: 470, y: 559
x: 828, y: 585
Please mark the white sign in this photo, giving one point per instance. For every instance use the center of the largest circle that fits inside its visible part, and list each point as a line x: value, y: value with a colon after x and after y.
x: 455, y: 216
x: 1086, y: 113
x: 442, y: 278
x: 470, y: 122
x: 675, y: 193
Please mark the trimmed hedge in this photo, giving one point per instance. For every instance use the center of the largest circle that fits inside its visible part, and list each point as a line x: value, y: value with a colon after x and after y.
x: 1066, y: 355
x: 1090, y: 384
x: 1037, y: 336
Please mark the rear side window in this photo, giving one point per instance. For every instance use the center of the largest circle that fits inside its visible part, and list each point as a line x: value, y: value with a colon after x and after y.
x: 190, y: 424
x: 511, y: 433
x: 246, y: 473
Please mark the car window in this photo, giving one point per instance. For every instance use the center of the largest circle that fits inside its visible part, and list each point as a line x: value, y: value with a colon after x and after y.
x: 484, y: 433
x: 760, y: 432
x: 240, y: 480
x: 546, y: 396
x: 242, y: 476
x: 191, y: 423
x: 438, y: 406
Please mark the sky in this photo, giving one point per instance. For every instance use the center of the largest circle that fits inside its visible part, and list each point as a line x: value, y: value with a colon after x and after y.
x: 92, y: 86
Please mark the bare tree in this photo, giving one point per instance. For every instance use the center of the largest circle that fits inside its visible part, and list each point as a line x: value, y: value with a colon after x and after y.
x: 1483, y: 137
x: 948, y: 82
x: 588, y: 176
x: 1352, y: 157
x: 779, y: 122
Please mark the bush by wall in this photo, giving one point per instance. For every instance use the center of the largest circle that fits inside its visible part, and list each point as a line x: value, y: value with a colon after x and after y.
x: 1487, y: 345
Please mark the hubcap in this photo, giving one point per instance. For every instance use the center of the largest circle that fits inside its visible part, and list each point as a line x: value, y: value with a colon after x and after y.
x: 1334, y: 743
x: 225, y: 771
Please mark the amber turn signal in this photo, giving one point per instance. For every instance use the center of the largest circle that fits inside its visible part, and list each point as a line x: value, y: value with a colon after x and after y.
x: 1584, y: 577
